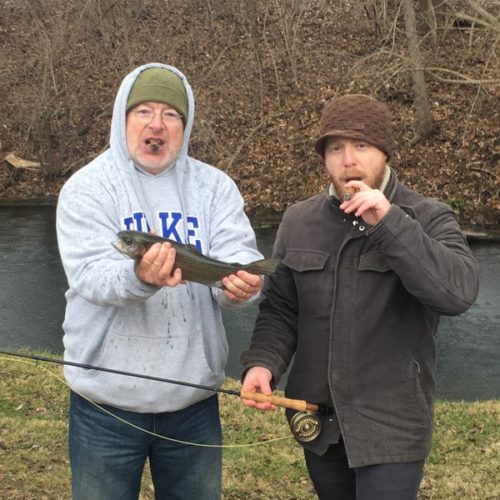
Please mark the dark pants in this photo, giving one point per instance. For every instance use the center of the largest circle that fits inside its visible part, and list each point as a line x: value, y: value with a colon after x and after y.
x: 334, y: 480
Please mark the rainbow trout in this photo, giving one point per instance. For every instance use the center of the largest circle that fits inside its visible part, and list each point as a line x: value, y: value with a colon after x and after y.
x: 194, y: 265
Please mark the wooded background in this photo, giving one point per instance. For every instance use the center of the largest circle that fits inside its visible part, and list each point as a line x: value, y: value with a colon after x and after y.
x: 261, y: 71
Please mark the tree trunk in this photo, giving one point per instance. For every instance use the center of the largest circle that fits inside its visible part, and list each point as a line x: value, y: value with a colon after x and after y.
x: 426, y: 19
x: 423, y: 117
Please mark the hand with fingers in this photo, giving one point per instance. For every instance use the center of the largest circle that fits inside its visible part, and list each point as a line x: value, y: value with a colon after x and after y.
x: 241, y: 286
x: 258, y: 379
x: 369, y: 204
x: 157, y: 266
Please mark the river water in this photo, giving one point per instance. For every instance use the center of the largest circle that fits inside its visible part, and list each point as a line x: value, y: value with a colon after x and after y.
x: 32, y: 307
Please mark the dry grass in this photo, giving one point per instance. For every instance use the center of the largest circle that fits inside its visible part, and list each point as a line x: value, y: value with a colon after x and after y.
x: 33, y: 445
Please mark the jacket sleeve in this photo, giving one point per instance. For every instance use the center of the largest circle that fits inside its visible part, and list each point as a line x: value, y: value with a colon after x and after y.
x: 430, y: 255
x: 86, y: 226
x: 274, y: 337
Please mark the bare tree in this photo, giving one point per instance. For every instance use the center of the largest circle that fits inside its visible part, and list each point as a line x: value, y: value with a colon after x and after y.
x: 423, y: 116
x: 428, y: 21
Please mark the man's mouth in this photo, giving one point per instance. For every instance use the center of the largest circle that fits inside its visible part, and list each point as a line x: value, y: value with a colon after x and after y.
x: 154, y: 145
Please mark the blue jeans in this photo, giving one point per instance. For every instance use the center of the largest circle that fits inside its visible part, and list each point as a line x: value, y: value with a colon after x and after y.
x: 108, y: 456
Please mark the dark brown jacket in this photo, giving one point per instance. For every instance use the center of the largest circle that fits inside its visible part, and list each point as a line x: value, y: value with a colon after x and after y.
x: 359, y: 306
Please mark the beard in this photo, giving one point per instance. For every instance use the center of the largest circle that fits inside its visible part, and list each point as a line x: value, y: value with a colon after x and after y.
x: 374, y: 181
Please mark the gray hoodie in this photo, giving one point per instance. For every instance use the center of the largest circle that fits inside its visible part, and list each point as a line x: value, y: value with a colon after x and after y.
x: 113, y: 319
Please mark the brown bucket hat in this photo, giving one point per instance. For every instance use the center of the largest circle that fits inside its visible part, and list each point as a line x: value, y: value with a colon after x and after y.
x: 356, y: 116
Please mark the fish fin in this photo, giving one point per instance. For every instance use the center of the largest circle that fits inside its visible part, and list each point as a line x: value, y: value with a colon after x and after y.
x: 264, y: 266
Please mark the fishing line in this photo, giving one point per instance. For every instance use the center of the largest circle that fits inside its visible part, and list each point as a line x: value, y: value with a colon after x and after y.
x: 130, y: 424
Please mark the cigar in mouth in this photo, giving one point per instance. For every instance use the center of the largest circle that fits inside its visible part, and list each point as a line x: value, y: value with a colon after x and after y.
x: 154, y: 144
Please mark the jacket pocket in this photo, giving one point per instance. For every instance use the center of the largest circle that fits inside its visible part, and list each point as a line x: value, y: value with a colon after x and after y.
x: 313, y: 278
x: 373, y: 261
x: 305, y: 260
x: 416, y: 388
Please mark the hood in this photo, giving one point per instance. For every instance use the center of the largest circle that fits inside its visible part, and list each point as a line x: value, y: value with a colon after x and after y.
x: 118, y: 139
x: 120, y: 155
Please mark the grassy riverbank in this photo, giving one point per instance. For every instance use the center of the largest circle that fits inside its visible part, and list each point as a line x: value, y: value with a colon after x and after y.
x: 464, y: 463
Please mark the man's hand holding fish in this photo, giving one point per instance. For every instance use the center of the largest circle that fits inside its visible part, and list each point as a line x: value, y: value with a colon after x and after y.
x: 157, y: 266
x: 241, y: 286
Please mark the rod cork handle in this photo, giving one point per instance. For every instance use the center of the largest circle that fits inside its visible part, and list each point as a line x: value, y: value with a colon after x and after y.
x: 293, y: 404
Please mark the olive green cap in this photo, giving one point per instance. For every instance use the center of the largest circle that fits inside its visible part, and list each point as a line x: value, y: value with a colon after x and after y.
x: 159, y: 85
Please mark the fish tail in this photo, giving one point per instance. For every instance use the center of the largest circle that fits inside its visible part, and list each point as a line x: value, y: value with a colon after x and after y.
x: 264, y: 266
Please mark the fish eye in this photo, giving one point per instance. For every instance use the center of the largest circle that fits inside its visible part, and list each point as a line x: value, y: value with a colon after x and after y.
x: 128, y: 241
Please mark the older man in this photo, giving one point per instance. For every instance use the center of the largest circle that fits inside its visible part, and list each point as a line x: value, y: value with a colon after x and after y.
x: 367, y: 269
x: 141, y: 318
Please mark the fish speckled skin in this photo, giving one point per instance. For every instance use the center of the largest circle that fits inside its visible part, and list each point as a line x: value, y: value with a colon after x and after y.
x: 194, y: 265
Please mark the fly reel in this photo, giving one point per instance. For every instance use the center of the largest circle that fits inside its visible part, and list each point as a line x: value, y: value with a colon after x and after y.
x: 305, y: 426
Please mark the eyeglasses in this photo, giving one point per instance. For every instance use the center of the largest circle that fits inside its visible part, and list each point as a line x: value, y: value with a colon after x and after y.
x: 146, y: 115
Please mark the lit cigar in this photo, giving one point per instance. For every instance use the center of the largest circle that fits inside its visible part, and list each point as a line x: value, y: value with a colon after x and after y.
x: 348, y: 194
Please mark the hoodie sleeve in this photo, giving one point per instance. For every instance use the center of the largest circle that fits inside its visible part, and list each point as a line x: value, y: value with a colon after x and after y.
x: 231, y: 236
x: 86, y: 227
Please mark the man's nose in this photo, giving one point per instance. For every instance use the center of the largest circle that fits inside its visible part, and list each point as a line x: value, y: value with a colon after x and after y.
x: 157, y: 121
x: 349, y: 155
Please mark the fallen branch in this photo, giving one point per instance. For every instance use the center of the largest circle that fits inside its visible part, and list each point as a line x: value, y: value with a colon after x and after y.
x: 483, y: 170
x: 464, y: 78
x: 495, y: 21
x: 494, y: 26
x: 17, y: 162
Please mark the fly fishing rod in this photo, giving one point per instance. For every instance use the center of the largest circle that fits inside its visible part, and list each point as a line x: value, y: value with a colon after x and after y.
x: 294, y: 404
x: 305, y: 424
